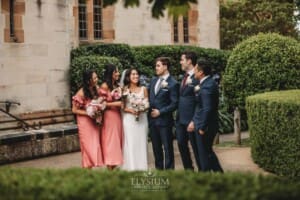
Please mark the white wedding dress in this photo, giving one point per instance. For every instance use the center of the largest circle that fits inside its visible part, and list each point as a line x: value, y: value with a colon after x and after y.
x: 135, y: 136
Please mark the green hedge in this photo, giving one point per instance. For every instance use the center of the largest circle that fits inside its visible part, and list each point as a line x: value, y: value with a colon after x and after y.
x: 79, y: 64
x: 89, y: 184
x: 143, y: 57
x: 121, y: 51
x: 146, y: 55
x: 262, y: 63
x: 274, y: 122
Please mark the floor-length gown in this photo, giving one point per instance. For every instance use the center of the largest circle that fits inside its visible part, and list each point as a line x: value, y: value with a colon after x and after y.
x: 89, y: 136
x: 135, y: 137
x: 112, y: 133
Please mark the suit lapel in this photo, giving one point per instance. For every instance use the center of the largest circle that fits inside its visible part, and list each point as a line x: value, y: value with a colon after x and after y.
x: 182, y: 89
x: 152, y: 89
x: 205, y: 80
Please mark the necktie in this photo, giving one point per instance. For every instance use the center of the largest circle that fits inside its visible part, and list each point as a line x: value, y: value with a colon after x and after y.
x: 184, y: 80
x: 158, y: 85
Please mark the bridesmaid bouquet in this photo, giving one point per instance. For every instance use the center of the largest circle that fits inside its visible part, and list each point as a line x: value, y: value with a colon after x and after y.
x: 95, y: 109
x: 116, y: 94
x: 139, y: 105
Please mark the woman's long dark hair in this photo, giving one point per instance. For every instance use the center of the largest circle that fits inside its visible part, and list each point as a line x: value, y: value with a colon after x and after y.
x: 109, y: 69
x: 86, y: 80
x: 127, y: 76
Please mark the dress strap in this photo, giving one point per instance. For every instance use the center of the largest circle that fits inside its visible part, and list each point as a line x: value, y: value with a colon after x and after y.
x: 142, y: 93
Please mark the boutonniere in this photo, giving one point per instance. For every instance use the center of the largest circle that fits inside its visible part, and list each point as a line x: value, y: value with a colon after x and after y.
x: 196, y: 88
x: 164, y: 84
x: 189, y: 81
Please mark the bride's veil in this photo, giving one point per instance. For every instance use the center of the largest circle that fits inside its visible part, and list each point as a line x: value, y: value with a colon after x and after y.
x: 122, y: 80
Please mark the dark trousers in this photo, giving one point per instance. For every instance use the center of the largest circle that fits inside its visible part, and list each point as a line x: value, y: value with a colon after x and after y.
x: 208, y: 159
x: 183, y: 137
x: 162, y: 144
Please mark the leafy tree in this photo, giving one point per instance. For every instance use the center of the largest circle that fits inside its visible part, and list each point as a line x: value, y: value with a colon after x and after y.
x: 243, y: 18
x: 174, y: 7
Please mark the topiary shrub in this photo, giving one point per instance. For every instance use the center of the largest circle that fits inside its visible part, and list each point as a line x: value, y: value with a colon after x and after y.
x: 121, y: 51
x: 274, y: 123
x: 79, y: 64
x: 262, y: 63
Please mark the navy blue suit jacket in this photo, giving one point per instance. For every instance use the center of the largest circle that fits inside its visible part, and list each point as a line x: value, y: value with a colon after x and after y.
x: 187, y: 102
x: 207, y: 100
x: 166, y: 101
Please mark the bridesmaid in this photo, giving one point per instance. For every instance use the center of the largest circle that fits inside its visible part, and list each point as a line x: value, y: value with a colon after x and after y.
x: 89, y: 132
x: 112, y: 130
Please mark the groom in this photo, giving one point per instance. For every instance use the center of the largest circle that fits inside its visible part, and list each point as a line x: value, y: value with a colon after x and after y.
x: 205, y: 120
x: 163, y: 102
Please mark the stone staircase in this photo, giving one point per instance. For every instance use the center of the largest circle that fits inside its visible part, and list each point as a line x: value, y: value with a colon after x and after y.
x: 55, y: 132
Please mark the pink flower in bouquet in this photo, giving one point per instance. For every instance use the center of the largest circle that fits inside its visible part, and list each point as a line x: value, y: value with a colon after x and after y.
x: 139, y: 105
x: 95, y: 109
x: 116, y: 93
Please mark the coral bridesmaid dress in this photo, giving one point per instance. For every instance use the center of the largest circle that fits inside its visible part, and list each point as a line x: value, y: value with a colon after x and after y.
x: 112, y: 134
x: 89, y: 137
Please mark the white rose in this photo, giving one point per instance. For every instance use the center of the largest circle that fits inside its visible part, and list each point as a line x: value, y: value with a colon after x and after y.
x: 189, y: 81
x: 164, y: 84
x: 197, y: 88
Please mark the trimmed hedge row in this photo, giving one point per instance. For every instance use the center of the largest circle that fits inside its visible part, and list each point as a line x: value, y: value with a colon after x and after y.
x: 274, y: 124
x: 146, y: 55
x: 143, y: 57
x: 79, y: 64
x: 121, y: 51
x: 89, y: 184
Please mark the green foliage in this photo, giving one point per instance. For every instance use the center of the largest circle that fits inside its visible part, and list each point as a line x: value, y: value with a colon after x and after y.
x: 145, y: 57
x: 242, y: 19
x: 274, y: 122
x: 82, y: 63
x: 225, y: 118
x: 121, y: 51
x: 265, y: 62
x: 90, y: 184
x: 174, y: 7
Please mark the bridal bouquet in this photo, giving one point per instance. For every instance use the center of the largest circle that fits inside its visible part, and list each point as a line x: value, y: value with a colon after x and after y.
x: 139, y: 105
x: 95, y: 109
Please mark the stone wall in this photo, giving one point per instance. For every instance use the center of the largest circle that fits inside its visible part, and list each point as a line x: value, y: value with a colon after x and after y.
x: 209, y: 24
x: 34, y: 71
x: 135, y: 26
x: 38, y: 143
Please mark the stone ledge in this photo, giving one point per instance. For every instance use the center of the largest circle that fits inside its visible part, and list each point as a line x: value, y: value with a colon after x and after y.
x: 38, y: 143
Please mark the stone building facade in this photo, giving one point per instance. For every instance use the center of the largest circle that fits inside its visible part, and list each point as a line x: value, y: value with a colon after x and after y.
x: 36, y: 37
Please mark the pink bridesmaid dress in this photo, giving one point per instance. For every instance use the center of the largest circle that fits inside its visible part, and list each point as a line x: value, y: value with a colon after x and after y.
x: 112, y: 134
x: 89, y: 137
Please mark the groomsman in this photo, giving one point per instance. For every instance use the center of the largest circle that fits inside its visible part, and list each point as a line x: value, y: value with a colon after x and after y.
x: 205, y: 120
x: 163, y: 102
x: 186, y: 109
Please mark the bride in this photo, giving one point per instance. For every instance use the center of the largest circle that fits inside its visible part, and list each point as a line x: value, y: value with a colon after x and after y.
x: 135, y: 121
